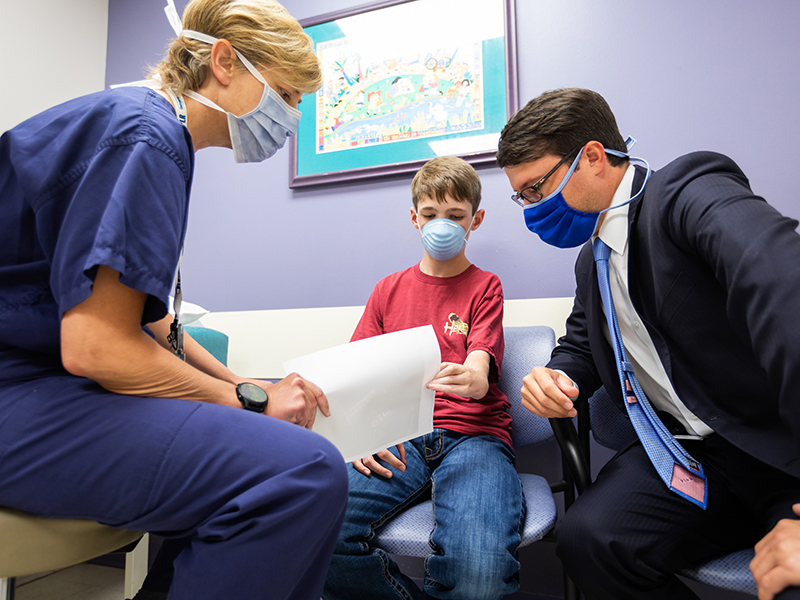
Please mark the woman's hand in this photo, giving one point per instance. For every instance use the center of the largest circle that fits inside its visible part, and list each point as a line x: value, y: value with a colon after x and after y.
x: 295, y: 400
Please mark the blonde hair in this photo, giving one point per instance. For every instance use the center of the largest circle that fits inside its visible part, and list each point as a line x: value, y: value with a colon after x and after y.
x: 447, y: 175
x: 262, y: 30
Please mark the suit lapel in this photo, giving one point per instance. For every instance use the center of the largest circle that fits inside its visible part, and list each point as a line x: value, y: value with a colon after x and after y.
x: 637, y: 261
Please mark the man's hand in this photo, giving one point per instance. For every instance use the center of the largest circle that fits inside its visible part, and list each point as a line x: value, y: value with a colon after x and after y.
x: 294, y: 399
x: 777, y: 562
x: 370, y: 465
x: 460, y: 380
x: 548, y: 393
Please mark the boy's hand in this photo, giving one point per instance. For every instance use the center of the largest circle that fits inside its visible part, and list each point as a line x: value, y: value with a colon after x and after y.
x: 462, y: 380
x: 370, y: 465
x: 470, y: 380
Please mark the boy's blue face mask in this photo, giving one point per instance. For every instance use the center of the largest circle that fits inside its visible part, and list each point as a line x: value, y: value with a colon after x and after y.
x: 559, y: 224
x: 443, y: 239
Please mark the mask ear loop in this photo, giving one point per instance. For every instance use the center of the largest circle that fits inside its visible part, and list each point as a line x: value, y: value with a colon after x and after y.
x: 469, y: 229
x: 629, y: 142
x: 177, y: 26
x: 173, y: 17
x: 268, y: 91
x: 209, y: 39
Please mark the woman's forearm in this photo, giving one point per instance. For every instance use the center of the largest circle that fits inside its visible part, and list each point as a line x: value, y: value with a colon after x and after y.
x: 196, y: 355
x: 102, y: 339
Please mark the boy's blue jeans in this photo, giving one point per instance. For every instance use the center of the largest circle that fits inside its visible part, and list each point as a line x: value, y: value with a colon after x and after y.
x: 478, y: 509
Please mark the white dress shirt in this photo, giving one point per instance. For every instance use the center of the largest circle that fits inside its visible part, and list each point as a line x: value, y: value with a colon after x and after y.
x: 641, y: 352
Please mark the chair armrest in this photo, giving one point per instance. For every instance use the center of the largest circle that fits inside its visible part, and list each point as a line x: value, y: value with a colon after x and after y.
x: 572, y: 453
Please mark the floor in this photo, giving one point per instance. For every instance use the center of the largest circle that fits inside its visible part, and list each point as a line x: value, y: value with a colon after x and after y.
x: 81, y: 582
x: 96, y: 582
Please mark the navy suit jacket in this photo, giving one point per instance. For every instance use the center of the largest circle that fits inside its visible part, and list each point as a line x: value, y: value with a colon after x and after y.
x: 714, y: 274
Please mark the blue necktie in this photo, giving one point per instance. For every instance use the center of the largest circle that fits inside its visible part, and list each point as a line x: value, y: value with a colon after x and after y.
x: 682, y: 474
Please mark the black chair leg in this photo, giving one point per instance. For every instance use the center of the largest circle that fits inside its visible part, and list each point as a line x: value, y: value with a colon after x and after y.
x: 571, y: 591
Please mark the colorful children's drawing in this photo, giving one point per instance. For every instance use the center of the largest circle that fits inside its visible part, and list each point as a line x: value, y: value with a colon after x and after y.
x: 369, y: 102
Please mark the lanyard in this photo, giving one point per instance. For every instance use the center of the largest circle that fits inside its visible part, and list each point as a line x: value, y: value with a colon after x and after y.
x: 175, y: 337
x: 179, y: 104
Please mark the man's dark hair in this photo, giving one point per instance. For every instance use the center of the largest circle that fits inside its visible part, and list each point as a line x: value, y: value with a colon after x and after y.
x: 559, y: 122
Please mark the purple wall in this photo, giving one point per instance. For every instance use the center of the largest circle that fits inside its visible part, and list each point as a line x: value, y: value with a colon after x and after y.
x: 680, y: 76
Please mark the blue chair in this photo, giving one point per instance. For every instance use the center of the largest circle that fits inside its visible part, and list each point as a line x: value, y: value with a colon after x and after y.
x: 408, y: 533
x: 612, y: 429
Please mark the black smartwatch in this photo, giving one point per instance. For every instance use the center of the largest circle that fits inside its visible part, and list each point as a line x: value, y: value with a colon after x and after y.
x: 252, y: 397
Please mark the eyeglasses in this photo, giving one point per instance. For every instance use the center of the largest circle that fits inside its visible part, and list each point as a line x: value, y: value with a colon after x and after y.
x: 532, y: 193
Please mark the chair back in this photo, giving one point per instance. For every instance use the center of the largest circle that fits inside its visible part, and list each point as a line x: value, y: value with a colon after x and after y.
x: 526, y: 347
x: 212, y: 340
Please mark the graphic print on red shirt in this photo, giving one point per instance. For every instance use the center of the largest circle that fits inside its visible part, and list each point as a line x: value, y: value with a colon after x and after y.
x: 466, y: 312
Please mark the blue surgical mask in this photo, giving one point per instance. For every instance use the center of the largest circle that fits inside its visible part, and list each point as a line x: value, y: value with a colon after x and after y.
x: 260, y: 133
x: 559, y: 224
x: 443, y: 239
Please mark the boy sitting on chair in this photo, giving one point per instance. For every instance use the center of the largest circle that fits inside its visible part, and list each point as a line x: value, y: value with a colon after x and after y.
x: 466, y: 465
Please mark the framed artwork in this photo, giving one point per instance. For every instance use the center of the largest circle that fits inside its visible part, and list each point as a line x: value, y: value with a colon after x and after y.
x: 405, y: 81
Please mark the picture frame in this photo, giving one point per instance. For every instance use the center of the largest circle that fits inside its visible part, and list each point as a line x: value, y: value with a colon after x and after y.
x: 405, y: 81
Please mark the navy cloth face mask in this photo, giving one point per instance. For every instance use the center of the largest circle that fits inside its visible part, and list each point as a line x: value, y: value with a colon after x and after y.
x: 562, y: 226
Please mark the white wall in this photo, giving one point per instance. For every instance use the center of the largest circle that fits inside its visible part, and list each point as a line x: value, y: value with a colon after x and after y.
x: 55, y: 50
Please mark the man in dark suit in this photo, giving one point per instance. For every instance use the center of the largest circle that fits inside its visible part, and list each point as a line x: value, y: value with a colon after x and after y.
x: 705, y: 281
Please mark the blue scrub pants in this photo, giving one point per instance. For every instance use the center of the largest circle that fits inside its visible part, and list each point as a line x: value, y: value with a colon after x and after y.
x: 260, y: 500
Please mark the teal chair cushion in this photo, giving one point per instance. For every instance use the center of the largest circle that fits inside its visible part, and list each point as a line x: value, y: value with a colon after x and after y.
x: 212, y: 340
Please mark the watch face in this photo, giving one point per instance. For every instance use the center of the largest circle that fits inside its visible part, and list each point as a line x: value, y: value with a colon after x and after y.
x: 252, y: 393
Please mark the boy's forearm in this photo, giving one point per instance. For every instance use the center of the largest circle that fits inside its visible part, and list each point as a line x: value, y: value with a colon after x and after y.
x: 479, y: 362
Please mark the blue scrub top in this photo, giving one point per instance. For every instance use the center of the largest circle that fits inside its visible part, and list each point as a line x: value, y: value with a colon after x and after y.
x: 99, y: 180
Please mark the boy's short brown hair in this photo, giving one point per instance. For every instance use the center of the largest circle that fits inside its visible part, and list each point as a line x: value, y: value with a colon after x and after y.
x: 447, y: 175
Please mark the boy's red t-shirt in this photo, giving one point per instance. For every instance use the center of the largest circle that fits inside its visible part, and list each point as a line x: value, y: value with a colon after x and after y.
x: 466, y: 312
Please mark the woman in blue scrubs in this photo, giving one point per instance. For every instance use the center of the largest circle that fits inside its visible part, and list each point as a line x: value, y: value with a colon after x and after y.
x: 99, y: 419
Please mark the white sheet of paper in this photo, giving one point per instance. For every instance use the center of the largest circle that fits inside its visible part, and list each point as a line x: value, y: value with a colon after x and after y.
x: 376, y: 389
